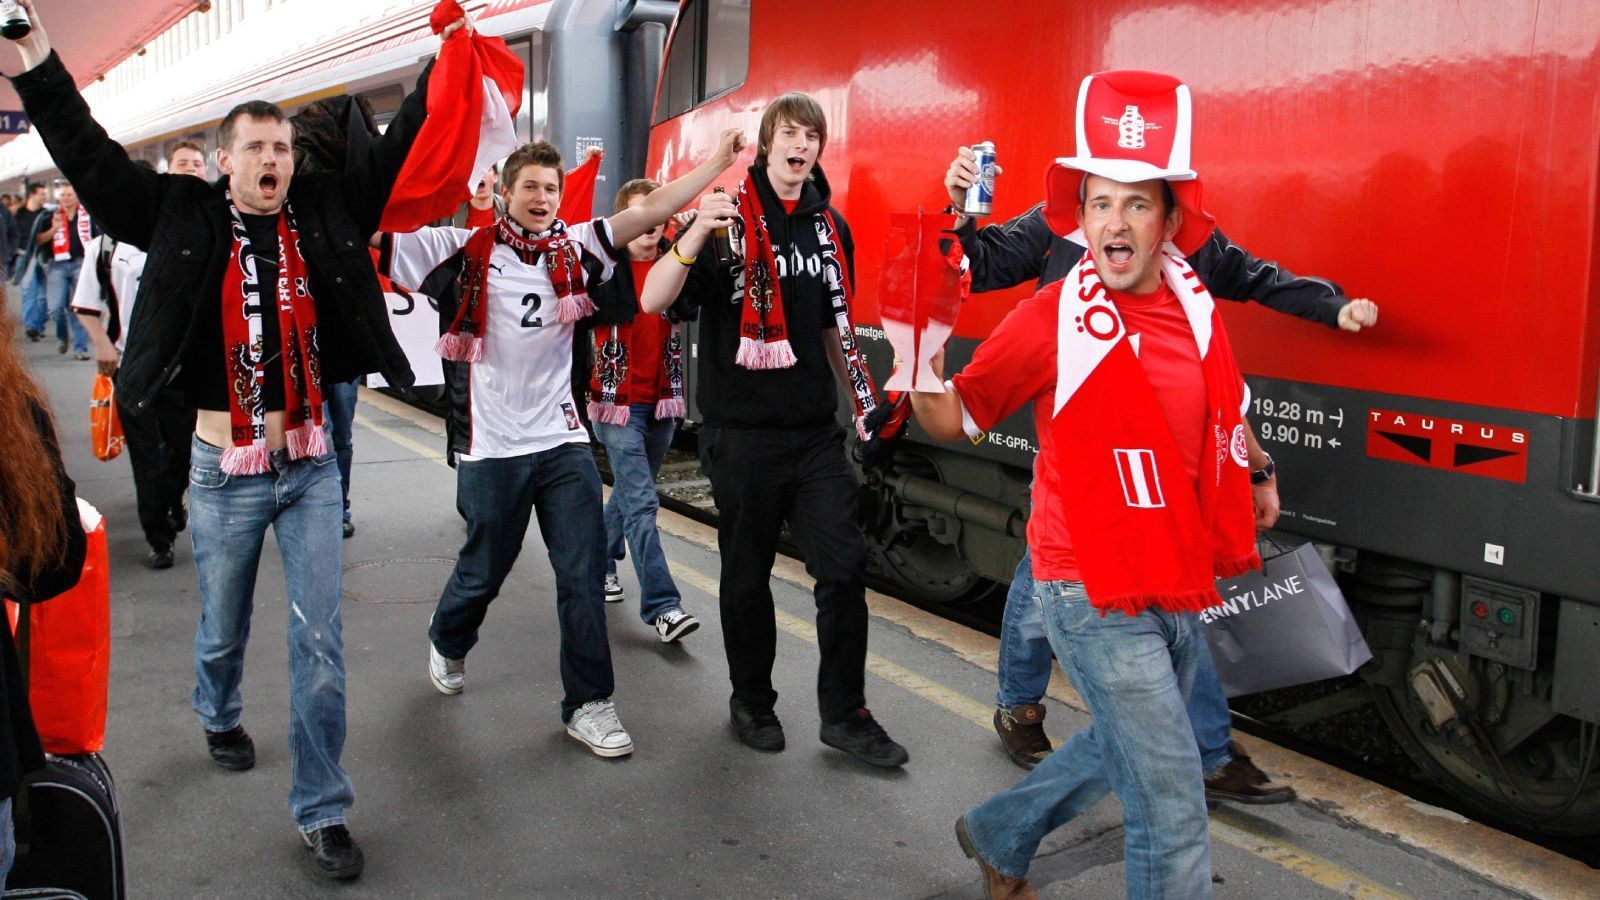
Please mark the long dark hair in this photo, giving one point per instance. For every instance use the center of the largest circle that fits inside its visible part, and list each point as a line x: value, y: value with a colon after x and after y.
x: 33, y: 533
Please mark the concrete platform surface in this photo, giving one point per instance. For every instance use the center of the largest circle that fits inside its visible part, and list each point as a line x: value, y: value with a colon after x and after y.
x: 484, y: 794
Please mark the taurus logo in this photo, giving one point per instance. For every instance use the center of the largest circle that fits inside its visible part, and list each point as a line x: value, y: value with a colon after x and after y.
x: 1141, y: 484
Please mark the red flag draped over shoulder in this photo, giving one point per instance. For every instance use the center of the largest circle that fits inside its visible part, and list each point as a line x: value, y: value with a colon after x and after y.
x: 474, y: 94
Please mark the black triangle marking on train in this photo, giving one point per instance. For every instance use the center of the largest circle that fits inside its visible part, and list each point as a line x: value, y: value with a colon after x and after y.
x: 1420, y: 447
x: 1467, y: 454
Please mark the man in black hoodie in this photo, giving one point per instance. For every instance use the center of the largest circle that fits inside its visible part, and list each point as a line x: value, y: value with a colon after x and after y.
x: 773, y: 337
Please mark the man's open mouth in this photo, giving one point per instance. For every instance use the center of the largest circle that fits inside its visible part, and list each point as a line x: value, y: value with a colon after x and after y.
x: 1117, y: 253
x: 269, y: 182
x: 797, y: 164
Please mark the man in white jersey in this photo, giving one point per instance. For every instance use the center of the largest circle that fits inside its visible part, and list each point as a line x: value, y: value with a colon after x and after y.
x: 158, y: 438
x: 515, y: 434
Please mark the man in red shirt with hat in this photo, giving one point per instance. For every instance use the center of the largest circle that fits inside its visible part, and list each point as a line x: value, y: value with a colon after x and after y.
x: 1142, y: 492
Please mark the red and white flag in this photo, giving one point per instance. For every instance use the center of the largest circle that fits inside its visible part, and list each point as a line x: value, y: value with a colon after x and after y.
x: 474, y: 93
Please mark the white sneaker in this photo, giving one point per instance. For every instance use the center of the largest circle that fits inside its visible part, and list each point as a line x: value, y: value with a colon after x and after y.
x: 596, y: 724
x: 448, y: 675
x: 674, y: 624
x: 613, y: 588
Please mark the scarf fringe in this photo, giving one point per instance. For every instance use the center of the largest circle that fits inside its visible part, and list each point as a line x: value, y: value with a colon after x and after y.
x: 1233, y: 568
x: 458, y: 347
x: 246, y: 459
x: 1181, y: 602
x: 754, y: 354
x: 307, y: 441
x: 609, y: 413
x: 671, y: 408
x: 574, y: 307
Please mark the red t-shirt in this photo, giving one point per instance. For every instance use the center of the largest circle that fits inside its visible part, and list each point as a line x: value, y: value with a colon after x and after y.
x: 790, y: 205
x: 649, y: 332
x: 1016, y: 364
x: 477, y: 218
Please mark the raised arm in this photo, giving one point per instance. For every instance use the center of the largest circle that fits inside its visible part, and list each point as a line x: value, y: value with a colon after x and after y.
x: 125, y: 198
x: 660, y: 204
x: 670, y: 273
x: 1232, y: 273
x: 369, y: 179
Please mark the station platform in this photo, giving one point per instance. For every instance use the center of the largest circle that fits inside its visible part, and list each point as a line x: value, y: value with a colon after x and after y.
x: 484, y: 795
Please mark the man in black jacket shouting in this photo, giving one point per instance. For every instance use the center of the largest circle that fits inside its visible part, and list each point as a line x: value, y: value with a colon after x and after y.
x: 257, y: 291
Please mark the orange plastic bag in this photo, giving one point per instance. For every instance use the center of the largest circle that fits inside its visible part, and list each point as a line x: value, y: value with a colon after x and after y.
x: 69, y: 653
x: 105, y: 429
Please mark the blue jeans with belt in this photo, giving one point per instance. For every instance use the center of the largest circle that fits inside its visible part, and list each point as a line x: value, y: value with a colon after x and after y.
x: 228, y: 518
x: 635, y: 452
x: 1135, y: 673
x: 1025, y: 672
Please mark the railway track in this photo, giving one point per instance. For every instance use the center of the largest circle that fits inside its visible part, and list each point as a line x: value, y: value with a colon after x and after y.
x: 1335, y: 722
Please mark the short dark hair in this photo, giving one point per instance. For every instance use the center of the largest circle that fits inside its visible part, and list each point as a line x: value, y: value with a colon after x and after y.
x: 255, y: 109
x: 799, y: 108
x: 638, y: 187
x: 185, y: 145
x: 536, y: 153
x: 33, y: 187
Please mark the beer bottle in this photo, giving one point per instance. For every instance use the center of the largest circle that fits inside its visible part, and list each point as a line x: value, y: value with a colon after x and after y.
x: 722, y: 243
x: 14, y: 24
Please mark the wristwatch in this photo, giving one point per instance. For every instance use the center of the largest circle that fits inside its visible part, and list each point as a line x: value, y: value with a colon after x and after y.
x: 1265, y: 473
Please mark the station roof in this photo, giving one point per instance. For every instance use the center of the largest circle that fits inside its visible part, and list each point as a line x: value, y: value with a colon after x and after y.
x: 79, y: 32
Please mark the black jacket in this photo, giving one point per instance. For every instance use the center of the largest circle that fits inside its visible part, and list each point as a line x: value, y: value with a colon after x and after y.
x: 183, y: 223
x: 805, y: 395
x: 19, y: 741
x: 1009, y: 253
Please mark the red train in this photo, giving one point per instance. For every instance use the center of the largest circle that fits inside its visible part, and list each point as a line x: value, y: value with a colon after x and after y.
x: 1441, y: 159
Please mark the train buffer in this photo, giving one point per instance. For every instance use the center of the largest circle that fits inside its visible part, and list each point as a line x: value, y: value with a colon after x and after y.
x: 483, y: 795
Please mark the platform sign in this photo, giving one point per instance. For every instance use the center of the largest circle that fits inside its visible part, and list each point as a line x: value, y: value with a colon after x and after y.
x: 14, y: 121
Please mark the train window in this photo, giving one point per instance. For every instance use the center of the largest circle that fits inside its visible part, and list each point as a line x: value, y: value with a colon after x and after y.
x: 709, y: 56
x: 727, y: 46
x: 533, y: 119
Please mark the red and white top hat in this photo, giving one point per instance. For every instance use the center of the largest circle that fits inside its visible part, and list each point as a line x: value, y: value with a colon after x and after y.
x: 1133, y: 126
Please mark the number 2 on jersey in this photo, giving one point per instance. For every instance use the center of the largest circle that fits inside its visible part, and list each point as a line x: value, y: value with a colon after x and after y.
x: 529, y: 320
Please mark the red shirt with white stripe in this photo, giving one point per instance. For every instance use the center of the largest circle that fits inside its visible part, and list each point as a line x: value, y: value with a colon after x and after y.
x: 1016, y: 364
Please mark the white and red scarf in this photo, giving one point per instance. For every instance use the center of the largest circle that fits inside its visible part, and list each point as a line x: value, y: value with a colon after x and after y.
x: 1144, y: 534
x: 763, y: 331
x: 243, y: 304
x: 61, y: 241
x: 609, y: 386
x: 463, y: 342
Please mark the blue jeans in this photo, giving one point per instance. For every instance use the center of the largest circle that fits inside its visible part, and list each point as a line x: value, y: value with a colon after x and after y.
x: 635, y: 451
x: 8, y: 843
x: 1025, y: 672
x: 61, y: 279
x: 1134, y: 672
x: 228, y: 517
x: 496, y: 497
x: 340, y: 397
x: 35, y: 314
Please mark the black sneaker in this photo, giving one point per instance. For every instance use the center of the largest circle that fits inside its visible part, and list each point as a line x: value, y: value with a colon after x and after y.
x: 760, y: 730
x: 61, y: 346
x: 178, y: 518
x: 334, y: 852
x: 158, y: 558
x: 232, y: 749
x: 862, y: 737
x: 33, y: 334
x: 349, y: 528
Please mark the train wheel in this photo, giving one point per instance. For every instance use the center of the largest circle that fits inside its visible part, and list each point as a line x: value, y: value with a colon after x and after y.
x: 929, y: 571
x: 1525, y: 786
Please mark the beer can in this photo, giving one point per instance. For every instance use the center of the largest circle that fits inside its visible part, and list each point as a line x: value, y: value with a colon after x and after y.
x: 980, y: 197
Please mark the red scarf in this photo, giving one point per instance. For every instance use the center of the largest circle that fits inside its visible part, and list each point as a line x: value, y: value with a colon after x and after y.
x: 763, y: 333
x: 1144, y: 537
x: 609, y: 386
x: 243, y: 302
x: 61, y: 241
x: 463, y: 342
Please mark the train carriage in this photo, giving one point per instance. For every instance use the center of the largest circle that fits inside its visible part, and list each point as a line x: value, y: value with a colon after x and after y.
x: 1439, y: 159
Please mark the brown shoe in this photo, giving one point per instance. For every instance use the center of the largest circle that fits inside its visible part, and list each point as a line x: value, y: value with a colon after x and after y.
x: 1021, y: 730
x: 995, y: 885
x: 1242, y: 782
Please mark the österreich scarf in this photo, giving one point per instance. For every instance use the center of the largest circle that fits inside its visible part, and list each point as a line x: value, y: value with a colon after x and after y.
x: 609, y: 387
x: 61, y: 241
x: 763, y: 333
x: 1142, y: 536
x: 463, y: 342
x: 243, y: 304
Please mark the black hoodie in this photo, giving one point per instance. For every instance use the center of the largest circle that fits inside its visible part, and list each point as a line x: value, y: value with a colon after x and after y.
x: 805, y: 395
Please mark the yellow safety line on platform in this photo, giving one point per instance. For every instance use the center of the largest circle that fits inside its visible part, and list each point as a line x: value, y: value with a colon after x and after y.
x: 1233, y: 832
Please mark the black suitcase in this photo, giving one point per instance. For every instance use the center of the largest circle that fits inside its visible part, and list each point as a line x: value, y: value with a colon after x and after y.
x: 69, y: 832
